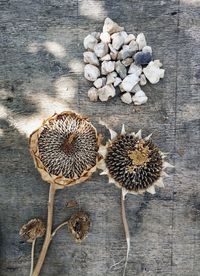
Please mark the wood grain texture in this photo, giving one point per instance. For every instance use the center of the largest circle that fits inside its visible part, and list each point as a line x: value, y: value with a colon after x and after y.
x: 41, y: 72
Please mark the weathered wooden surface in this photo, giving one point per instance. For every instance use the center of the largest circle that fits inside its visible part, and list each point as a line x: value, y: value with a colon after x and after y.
x: 38, y: 79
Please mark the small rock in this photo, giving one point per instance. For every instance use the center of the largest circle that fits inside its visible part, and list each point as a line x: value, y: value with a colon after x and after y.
x: 106, y: 92
x: 121, y: 69
x: 93, y: 94
x: 113, y: 55
x: 141, y: 41
x: 126, y: 52
x: 101, y: 49
x: 105, y: 37
x: 147, y: 49
x: 111, y: 27
x: 121, y: 88
x: 91, y: 58
x: 129, y: 38
x: 142, y: 58
x: 153, y: 72
x: 107, y: 67
x: 111, y: 77
x: 129, y: 82
x: 103, y: 81
x: 118, y: 40
x: 135, y: 69
x: 117, y: 81
x: 96, y: 35
x: 89, y: 42
x: 91, y: 72
x: 98, y: 83
x: 126, y: 98
x: 158, y: 63
x: 143, y: 80
x: 133, y: 46
x: 135, y: 89
x: 139, y: 98
x: 127, y: 61
x: 106, y: 57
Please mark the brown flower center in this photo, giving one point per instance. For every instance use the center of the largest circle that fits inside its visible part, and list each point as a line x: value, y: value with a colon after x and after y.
x: 139, y: 156
x: 68, y: 143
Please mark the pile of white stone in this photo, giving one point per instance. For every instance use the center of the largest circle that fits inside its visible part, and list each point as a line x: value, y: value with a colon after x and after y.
x: 115, y: 58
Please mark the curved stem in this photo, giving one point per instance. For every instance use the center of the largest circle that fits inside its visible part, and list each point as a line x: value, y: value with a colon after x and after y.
x: 57, y: 228
x: 32, y: 256
x: 48, y: 236
x: 126, y: 228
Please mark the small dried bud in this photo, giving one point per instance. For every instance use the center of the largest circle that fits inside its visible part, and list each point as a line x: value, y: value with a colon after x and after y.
x: 79, y: 225
x: 32, y: 230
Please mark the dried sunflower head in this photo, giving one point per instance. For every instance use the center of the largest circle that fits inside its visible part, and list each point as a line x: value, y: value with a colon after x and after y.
x: 133, y: 163
x: 79, y: 225
x: 65, y: 149
x: 32, y: 230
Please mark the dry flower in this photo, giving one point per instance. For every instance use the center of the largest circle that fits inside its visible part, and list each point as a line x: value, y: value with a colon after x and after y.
x: 134, y: 164
x: 79, y: 225
x: 65, y: 152
x: 32, y: 230
x: 65, y: 149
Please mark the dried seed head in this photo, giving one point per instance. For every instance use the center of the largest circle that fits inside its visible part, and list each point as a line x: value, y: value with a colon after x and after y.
x: 32, y: 230
x: 79, y: 225
x: 65, y: 149
x: 134, y: 163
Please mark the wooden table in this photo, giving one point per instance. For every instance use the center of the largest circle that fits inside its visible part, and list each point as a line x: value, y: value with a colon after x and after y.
x: 41, y: 72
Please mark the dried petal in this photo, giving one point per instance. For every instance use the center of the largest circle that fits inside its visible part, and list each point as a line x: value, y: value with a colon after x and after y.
x: 32, y: 230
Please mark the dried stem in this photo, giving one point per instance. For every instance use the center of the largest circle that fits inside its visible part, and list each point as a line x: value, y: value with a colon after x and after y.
x: 48, y: 236
x: 126, y: 228
x: 59, y: 226
x: 32, y: 256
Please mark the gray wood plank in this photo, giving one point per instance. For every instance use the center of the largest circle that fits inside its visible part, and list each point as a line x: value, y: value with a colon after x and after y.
x: 41, y: 72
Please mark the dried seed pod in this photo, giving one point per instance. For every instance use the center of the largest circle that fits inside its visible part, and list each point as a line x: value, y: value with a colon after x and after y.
x: 133, y: 163
x: 79, y: 225
x: 65, y: 149
x: 32, y: 230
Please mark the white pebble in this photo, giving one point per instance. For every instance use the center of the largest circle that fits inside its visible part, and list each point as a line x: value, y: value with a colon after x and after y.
x: 135, y: 69
x: 111, y: 27
x: 136, y: 88
x: 105, y: 37
x: 117, y: 81
x: 101, y: 49
x: 111, y: 77
x: 91, y: 58
x: 129, y: 38
x: 139, y: 98
x: 106, y: 57
x: 126, y: 52
x: 147, y: 49
x: 91, y: 72
x: 143, y: 80
x: 98, y: 83
x: 129, y: 82
x: 107, y: 67
x: 141, y: 41
x: 96, y: 35
x: 126, y: 98
x: 127, y: 61
x: 133, y: 45
x: 118, y: 40
x: 93, y: 94
x: 89, y: 42
x: 106, y: 92
x: 121, y: 69
x: 153, y: 72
